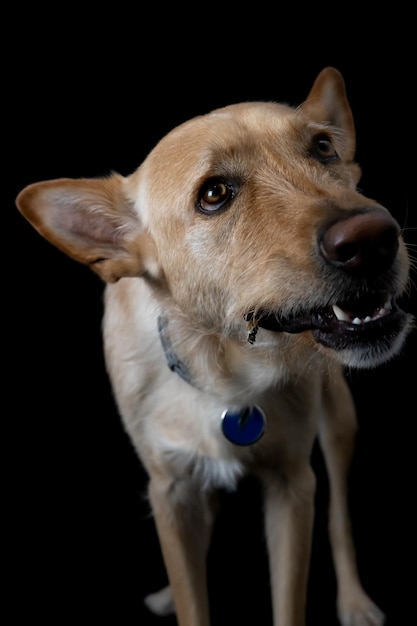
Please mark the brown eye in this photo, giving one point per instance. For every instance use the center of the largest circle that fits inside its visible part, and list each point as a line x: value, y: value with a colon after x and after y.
x: 323, y: 149
x: 214, y: 195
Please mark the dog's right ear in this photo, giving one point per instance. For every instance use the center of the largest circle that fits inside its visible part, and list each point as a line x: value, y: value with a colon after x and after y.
x: 94, y: 222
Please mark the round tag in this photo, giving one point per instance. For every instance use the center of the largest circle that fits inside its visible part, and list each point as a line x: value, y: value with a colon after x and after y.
x: 244, y: 427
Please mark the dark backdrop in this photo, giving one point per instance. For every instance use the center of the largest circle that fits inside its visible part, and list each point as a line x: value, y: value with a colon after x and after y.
x: 88, y: 97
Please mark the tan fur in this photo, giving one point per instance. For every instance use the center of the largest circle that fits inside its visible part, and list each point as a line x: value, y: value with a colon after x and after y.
x: 269, y: 249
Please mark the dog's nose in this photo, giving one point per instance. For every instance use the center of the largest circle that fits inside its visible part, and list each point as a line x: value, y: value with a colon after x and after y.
x: 364, y: 242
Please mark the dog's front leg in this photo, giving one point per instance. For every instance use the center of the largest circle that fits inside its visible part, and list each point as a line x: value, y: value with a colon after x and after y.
x: 337, y: 437
x: 184, y: 516
x: 289, y: 511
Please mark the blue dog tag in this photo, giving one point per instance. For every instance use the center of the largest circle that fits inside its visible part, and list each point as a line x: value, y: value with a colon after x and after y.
x: 244, y: 427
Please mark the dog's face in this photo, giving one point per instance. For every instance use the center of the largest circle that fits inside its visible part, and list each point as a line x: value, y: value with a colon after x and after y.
x: 248, y: 215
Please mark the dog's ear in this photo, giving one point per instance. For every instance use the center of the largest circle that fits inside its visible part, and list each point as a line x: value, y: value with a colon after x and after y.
x: 94, y: 222
x: 327, y: 102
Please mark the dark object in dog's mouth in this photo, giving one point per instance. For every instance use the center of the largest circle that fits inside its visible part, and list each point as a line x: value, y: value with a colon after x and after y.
x: 368, y: 318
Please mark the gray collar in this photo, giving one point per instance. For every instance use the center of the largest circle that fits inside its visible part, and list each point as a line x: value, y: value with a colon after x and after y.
x: 174, y: 362
x: 242, y: 427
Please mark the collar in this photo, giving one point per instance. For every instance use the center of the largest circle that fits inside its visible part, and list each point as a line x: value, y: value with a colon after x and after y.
x: 242, y: 427
x: 173, y: 361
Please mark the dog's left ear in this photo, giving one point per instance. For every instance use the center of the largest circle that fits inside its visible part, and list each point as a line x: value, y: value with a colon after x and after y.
x: 327, y: 102
x: 94, y: 222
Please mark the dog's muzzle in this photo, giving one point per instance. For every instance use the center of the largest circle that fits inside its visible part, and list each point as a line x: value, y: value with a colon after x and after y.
x: 358, y: 254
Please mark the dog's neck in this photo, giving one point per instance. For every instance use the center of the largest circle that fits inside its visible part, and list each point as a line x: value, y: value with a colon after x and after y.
x: 242, y: 427
x: 235, y: 370
x: 242, y: 424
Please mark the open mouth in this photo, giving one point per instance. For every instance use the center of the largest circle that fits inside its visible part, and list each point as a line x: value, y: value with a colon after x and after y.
x: 373, y: 317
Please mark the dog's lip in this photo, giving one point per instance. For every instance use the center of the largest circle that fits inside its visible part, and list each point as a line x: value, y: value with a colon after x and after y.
x: 357, y: 315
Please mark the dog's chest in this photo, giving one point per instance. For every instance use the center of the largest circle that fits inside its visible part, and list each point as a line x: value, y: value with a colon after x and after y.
x: 190, y: 439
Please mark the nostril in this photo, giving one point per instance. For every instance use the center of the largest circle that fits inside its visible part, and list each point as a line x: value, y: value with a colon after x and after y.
x: 346, y: 252
x: 366, y: 241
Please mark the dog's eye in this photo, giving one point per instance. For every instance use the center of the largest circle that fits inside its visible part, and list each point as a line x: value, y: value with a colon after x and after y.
x: 323, y: 149
x: 214, y: 195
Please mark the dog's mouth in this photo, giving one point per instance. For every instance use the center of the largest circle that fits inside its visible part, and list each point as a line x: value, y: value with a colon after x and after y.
x: 372, y: 317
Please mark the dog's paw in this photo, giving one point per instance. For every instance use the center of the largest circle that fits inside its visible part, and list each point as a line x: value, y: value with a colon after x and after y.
x: 161, y: 603
x: 363, y: 612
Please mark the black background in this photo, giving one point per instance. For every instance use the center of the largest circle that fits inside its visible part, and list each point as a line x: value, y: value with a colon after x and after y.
x: 92, y: 95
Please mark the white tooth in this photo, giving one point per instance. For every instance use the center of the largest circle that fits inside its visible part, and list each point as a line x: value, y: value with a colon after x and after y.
x: 367, y: 319
x: 340, y: 314
x: 382, y: 312
x: 357, y: 320
x: 387, y: 306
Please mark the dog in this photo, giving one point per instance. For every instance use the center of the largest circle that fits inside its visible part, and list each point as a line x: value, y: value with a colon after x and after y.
x: 244, y: 272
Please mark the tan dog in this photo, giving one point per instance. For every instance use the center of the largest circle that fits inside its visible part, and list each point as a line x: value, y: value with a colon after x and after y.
x: 244, y: 271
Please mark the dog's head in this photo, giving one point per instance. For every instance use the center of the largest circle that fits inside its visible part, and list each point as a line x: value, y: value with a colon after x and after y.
x: 247, y: 215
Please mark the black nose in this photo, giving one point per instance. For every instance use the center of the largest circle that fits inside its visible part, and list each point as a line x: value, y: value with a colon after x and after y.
x: 365, y: 242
